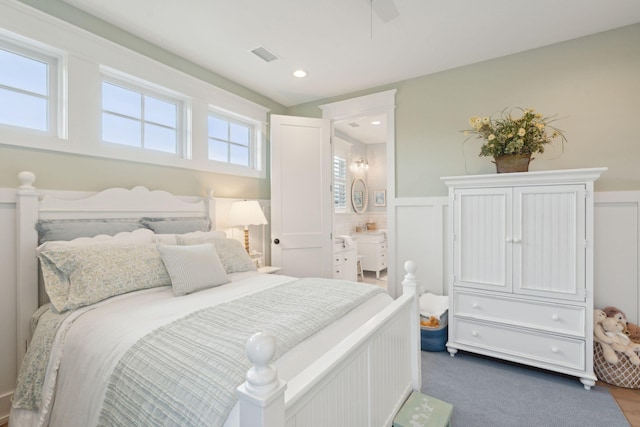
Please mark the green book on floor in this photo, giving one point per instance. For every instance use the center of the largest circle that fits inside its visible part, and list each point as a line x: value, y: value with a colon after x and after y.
x: 421, y: 410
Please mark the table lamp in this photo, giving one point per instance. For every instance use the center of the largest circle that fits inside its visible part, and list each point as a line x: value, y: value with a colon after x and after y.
x: 244, y: 214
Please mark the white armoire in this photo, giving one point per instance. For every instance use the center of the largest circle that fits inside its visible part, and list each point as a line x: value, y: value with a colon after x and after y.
x: 521, y: 268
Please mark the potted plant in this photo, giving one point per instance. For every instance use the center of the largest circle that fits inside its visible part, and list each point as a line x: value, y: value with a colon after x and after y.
x: 512, y: 140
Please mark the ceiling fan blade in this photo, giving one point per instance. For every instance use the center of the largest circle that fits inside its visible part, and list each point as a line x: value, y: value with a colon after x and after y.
x: 385, y: 9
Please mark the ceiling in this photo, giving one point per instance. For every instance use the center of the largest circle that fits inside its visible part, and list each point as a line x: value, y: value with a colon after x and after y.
x: 343, y: 45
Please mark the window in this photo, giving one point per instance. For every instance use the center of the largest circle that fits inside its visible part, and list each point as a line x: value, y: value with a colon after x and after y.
x: 28, y: 82
x: 231, y: 141
x: 138, y: 117
x: 63, y: 92
x: 339, y: 183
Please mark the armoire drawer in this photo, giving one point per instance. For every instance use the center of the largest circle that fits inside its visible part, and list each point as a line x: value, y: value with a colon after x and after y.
x: 551, y: 349
x: 564, y: 319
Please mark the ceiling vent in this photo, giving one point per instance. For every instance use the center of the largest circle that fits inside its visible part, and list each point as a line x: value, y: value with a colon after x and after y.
x: 354, y: 125
x: 264, y: 54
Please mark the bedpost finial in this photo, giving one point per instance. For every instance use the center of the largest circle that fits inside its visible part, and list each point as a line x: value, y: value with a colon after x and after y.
x: 410, y: 281
x: 262, y: 377
x: 410, y: 267
x: 26, y: 179
x: 210, y: 192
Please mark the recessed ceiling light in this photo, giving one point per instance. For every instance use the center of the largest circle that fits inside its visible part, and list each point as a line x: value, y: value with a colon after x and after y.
x: 300, y: 73
x: 376, y: 122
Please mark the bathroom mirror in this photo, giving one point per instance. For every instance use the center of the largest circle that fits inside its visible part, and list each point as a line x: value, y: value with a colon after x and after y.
x: 359, y: 195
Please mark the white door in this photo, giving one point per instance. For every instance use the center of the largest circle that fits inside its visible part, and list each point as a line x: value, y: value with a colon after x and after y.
x: 301, y: 202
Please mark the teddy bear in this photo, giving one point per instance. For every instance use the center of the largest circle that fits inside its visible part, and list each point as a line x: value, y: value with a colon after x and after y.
x: 432, y: 322
x: 620, y: 342
x: 630, y: 329
x: 599, y: 334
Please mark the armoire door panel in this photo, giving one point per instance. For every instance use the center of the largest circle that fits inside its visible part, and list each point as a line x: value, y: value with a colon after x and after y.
x: 483, y: 225
x: 549, y: 236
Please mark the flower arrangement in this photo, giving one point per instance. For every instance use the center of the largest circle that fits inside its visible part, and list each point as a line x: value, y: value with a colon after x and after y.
x: 509, y: 135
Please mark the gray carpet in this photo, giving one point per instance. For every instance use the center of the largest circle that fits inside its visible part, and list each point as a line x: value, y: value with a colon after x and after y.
x: 488, y: 392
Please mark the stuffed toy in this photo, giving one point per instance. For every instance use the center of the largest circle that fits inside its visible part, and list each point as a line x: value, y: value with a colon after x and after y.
x: 620, y: 342
x: 432, y: 322
x: 633, y: 331
x: 630, y: 329
x: 599, y: 334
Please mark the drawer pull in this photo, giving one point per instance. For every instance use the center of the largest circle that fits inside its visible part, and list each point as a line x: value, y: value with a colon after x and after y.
x: 475, y: 305
x: 474, y: 333
x: 554, y: 317
x: 554, y: 350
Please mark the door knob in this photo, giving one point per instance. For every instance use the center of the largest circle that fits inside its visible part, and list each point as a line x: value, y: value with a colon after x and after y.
x: 276, y: 241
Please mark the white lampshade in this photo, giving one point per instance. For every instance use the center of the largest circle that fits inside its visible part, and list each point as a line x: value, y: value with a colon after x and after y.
x: 246, y: 213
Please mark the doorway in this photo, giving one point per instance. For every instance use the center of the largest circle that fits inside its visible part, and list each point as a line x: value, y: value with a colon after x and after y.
x: 364, y: 129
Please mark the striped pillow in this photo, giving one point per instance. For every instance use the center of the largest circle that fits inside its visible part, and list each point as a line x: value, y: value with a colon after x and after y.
x: 193, y: 268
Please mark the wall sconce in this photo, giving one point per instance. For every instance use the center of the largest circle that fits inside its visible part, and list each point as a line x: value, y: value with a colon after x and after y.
x: 362, y: 164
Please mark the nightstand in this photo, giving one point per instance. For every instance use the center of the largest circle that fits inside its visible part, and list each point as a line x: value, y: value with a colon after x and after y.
x: 269, y: 269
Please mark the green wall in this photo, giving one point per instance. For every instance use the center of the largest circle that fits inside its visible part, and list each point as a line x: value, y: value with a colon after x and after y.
x: 60, y: 171
x: 591, y: 83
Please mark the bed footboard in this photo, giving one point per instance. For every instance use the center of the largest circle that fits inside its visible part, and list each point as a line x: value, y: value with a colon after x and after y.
x: 363, y: 381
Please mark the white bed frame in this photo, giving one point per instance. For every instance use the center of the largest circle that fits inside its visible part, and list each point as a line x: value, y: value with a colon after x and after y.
x: 363, y: 381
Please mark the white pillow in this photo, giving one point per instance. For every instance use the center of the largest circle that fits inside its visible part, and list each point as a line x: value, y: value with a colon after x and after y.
x: 193, y: 268
x: 140, y: 236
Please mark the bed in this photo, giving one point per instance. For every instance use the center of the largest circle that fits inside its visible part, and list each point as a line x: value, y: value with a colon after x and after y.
x: 191, y: 344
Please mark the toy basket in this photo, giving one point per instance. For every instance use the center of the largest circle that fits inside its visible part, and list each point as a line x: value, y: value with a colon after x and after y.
x: 622, y: 374
x: 433, y: 339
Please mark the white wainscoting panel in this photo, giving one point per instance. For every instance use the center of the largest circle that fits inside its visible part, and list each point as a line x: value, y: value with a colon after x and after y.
x: 8, y: 364
x: 617, y: 252
x: 420, y: 227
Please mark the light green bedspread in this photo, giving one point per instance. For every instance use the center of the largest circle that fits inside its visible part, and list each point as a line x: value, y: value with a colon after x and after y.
x: 186, y: 373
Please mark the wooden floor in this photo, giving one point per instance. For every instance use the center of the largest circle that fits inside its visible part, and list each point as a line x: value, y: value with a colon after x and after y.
x: 628, y: 400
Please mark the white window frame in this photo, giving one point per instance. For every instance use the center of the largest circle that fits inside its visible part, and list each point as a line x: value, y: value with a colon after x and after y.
x: 37, y: 52
x: 256, y: 144
x: 147, y: 89
x: 84, y: 58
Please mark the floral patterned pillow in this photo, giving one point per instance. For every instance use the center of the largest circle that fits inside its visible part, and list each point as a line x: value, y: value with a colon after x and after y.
x: 95, y: 273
